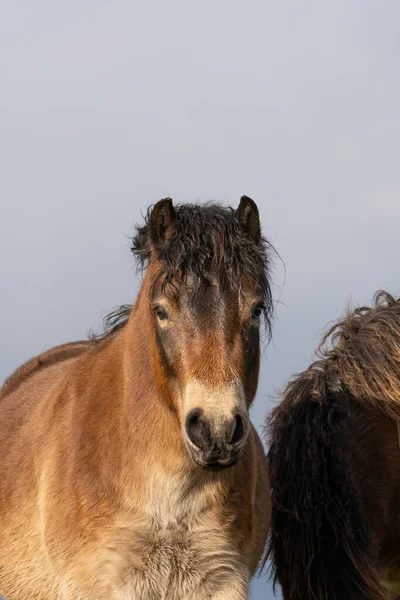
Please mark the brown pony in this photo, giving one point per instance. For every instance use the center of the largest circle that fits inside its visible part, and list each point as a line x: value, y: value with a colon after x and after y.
x: 130, y: 468
x: 335, y: 465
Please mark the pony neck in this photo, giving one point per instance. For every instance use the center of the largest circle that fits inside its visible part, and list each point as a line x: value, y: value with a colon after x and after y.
x: 147, y: 389
x: 142, y: 362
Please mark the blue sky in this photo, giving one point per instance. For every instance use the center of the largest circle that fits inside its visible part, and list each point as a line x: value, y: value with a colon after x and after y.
x: 106, y: 107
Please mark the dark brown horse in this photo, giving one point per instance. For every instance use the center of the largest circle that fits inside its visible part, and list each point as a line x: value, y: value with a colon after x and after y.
x: 335, y: 465
x: 129, y: 467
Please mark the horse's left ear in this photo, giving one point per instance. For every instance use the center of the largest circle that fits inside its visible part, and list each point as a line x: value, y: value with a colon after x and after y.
x: 162, y: 221
x: 249, y: 218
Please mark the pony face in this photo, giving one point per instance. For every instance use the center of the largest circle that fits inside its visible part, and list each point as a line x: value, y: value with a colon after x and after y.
x: 208, y: 342
x: 209, y: 294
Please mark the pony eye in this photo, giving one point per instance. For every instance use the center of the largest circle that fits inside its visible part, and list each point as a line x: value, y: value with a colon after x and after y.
x: 161, y: 313
x: 257, y: 311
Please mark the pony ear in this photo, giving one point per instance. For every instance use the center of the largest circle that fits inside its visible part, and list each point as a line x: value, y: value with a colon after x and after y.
x: 162, y: 221
x: 249, y: 218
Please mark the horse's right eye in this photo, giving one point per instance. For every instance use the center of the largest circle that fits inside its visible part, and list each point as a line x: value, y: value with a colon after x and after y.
x: 161, y: 313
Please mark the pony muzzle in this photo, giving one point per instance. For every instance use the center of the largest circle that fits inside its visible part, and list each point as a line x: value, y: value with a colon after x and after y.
x: 216, y: 428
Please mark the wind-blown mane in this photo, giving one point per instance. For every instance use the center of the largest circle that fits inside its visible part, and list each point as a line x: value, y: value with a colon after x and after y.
x: 319, y: 543
x: 359, y: 353
x: 365, y: 353
x: 113, y: 322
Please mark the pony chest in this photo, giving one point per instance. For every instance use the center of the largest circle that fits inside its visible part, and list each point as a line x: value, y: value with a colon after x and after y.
x: 171, y: 553
x: 161, y: 565
x: 165, y: 567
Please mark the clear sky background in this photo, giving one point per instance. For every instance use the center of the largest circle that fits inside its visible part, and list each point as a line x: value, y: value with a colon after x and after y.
x: 105, y: 107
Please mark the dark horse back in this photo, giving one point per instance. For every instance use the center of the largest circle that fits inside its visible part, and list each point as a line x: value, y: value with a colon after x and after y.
x: 319, y: 542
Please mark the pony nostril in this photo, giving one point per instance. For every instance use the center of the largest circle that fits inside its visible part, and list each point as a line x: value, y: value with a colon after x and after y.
x: 238, y: 431
x: 198, y: 429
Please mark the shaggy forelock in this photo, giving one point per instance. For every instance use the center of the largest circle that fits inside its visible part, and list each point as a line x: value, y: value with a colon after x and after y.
x: 208, y: 239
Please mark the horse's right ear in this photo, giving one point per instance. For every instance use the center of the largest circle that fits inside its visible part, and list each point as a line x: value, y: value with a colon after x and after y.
x: 162, y: 221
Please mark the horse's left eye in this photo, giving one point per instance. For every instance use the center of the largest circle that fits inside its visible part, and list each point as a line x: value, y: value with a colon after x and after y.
x: 257, y: 311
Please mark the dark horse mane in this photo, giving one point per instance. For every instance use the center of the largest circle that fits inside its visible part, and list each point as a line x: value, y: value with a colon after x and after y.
x: 113, y: 322
x: 319, y: 542
x: 365, y: 353
x: 207, y: 237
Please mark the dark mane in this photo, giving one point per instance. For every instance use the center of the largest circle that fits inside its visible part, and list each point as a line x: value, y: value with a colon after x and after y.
x: 113, y: 322
x: 319, y: 543
x: 364, y: 353
x: 209, y: 238
x: 361, y: 353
